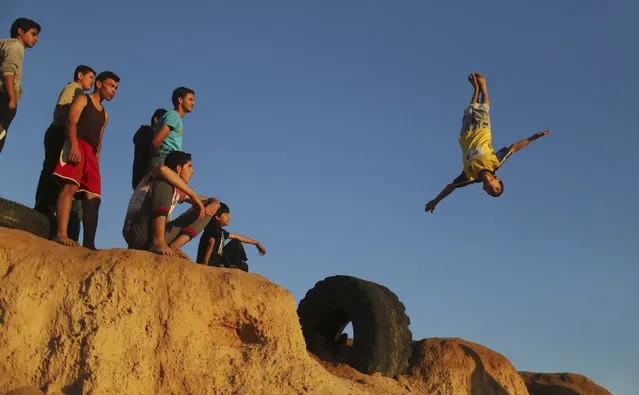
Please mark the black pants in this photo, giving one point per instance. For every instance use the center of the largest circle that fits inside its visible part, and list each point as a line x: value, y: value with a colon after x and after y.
x: 233, y: 255
x: 6, y: 117
x: 49, y: 188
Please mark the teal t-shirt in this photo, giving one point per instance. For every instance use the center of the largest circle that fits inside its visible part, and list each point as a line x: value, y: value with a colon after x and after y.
x: 172, y: 142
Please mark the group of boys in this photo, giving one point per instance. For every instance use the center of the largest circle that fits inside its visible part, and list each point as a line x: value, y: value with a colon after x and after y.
x: 162, y: 170
x: 69, y: 186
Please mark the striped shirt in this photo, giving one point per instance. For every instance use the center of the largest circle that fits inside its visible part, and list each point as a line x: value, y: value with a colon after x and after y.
x: 11, y: 55
x: 137, y: 207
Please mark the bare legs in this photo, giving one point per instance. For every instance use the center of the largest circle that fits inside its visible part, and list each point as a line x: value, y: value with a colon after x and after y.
x: 481, y: 81
x: 473, y: 81
x: 63, y: 210
x: 91, y: 208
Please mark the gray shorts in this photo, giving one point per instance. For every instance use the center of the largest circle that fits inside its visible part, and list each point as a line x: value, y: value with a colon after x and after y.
x: 476, y: 116
x: 160, y: 195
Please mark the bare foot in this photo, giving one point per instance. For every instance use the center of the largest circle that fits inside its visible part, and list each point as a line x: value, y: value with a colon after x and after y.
x: 481, y: 80
x: 162, y: 250
x: 65, y: 241
x: 472, y: 79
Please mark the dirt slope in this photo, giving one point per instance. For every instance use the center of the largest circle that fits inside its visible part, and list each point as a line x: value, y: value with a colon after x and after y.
x: 119, y: 321
x: 561, y: 384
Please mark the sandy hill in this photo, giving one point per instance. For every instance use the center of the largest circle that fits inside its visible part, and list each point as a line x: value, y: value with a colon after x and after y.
x: 119, y: 321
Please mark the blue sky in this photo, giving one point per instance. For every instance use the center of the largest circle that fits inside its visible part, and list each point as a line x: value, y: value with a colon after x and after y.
x: 326, y: 126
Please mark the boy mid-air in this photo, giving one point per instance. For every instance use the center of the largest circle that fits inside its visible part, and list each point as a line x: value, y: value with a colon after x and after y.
x: 479, y: 159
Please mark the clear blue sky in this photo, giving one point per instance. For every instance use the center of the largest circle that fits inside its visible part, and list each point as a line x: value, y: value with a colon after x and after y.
x: 326, y: 126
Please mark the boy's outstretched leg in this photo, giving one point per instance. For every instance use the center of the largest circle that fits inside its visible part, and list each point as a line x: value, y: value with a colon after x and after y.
x: 63, y: 210
x: 481, y: 81
x: 187, y: 226
x: 468, y: 120
x: 473, y: 81
x: 235, y: 255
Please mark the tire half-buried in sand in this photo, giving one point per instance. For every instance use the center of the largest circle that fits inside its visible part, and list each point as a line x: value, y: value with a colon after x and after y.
x: 381, y: 334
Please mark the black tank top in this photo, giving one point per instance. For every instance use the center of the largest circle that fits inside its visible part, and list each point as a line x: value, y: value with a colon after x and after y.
x: 90, y: 124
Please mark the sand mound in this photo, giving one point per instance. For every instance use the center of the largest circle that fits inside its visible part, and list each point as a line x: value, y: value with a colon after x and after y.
x: 456, y: 366
x: 120, y: 321
x: 561, y: 384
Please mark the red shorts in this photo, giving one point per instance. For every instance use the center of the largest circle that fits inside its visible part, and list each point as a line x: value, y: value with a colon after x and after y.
x: 85, y: 174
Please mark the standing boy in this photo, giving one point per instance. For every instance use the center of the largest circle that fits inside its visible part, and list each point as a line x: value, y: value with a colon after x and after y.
x: 142, y: 152
x: 169, y: 129
x: 54, y: 138
x: 24, y: 34
x: 78, y: 168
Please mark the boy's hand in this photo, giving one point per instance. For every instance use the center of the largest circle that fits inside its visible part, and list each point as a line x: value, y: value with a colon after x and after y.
x: 261, y: 248
x: 199, y: 207
x: 212, y: 207
x: 13, y: 103
x: 430, y: 206
x: 74, y: 154
x: 542, y: 134
x: 162, y: 249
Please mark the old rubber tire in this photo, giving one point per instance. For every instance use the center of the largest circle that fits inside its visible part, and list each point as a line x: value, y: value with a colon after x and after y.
x: 381, y: 334
x: 17, y: 216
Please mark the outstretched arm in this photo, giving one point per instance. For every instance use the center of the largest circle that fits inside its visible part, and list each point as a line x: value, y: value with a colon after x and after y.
x: 248, y: 240
x: 430, y: 206
x: 521, y: 144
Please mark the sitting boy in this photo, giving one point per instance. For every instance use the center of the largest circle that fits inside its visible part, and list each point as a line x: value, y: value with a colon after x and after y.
x: 146, y: 226
x: 212, y: 252
x: 479, y: 159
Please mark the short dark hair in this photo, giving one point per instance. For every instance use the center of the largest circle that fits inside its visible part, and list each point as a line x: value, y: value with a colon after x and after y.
x: 180, y: 93
x: 105, y: 75
x: 490, y: 192
x: 84, y: 69
x: 24, y: 24
x: 158, y: 114
x: 222, y: 210
x: 175, y: 159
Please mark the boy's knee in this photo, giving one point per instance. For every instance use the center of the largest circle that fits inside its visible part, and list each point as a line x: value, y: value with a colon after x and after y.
x: 69, y: 189
x: 91, y: 201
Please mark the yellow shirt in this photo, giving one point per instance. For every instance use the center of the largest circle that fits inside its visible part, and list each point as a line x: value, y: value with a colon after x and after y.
x: 478, y: 153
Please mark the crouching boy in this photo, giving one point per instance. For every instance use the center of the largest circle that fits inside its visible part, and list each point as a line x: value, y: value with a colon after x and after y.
x: 212, y: 251
x: 146, y: 226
